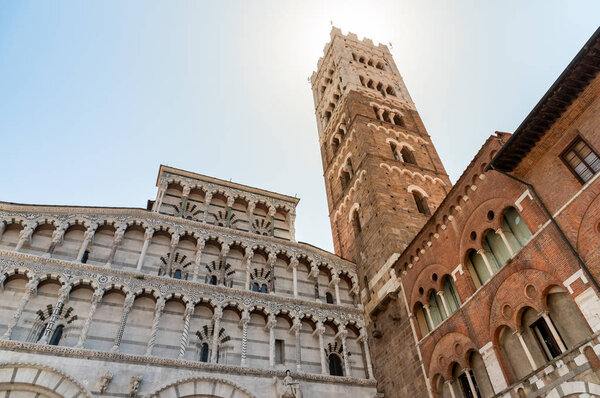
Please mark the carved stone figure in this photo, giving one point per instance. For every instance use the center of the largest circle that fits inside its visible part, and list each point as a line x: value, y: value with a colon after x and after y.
x: 104, y: 382
x: 289, y: 388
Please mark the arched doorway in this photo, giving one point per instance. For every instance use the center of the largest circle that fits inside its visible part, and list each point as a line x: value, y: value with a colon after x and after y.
x: 38, y: 381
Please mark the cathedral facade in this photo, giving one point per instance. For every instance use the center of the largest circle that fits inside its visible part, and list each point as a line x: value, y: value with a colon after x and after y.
x: 488, y: 288
x: 485, y: 288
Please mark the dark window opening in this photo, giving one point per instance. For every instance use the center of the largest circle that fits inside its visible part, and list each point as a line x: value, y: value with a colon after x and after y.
x: 279, y: 351
x: 57, y: 335
x: 464, y: 383
x: 335, y: 365
x: 264, y: 288
x: 204, y: 353
x: 546, y: 339
x: 356, y: 223
x: 329, y: 298
x: 255, y: 287
x: 177, y: 274
x: 408, y: 156
x: 86, y: 256
x: 213, y: 280
x: 421, y: 203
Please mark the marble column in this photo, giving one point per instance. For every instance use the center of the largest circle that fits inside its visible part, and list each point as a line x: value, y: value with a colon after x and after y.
x: 365, y: 342
x: 158, y: 310
x: 2, y: 227
x: 207, y: 199
x: 87, y: 239
x: 223, y: 262
x: 187, y: 317
x: 172, y: 249
x: 470, y: 381
x: 296, y: 329
x: 230, y: 202
x: 314, y: 272
x: 215, y: 338
x: 271, y: 264
x: 428, y: 312
x: 162, y: 188
x: 118, y: 238
x: 445, y: 305
x: 57, y: 237
x: 450, y: 388
x: 500, y: 232
x: 335, y: 280
x: 483, y: 255
x: 294, y: 265
x: 96, y: 299
x: 198, y: 257
x: 184, y: 198
x: 554, y: 332
x: 30, y: 289
x: 251, y: 208
x: 342, y: 335
x: 244, y: 324
x: 25, y: 235
x: 527, y: 352
x: 63, y: 296
x: 148, y: 234
x: 272, y: 211
x: 320, y: 330
x: 248, y: 263
x: 126, y: 308
x: 270, y: 326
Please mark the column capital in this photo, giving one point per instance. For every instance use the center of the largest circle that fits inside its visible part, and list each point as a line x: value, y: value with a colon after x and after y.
x: 335, y: 279
x: 251, y: 206
x: 272, y: 210
x: 294, y: 262
x: 160, y: 304
x: 189, y: 309
x: 320, y: 328
x: 208, y: 197
x: 186, y: 190
x: 440, y: 292
x: 245, y: 318
x: 230, y: 201
x: 97, y: 296
x: 218, y: 313
x: 175, y: 239
x: 63, y: 292
x: 31, y: 286
x: 148, y: 233
x: 129, y: 299
x: 271, y: 258
x: 271, y: 322
x: 225, y: 247
x: 296, y: 326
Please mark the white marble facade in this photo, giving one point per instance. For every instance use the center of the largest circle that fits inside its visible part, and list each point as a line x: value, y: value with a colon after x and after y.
x: 206, y: 293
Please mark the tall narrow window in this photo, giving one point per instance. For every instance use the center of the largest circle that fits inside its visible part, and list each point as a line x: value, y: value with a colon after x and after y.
x: 407, y: 156
x: 356, y: 222
x: 264, y: 288
x: 57, y: 335
x: 255, y: 287
x: 279, y: 351
x: 335, y: 365
x: 41, y: 334
x: 395, y: 152
x: 421, y: 203
x: 466, y: 387
x: 86, y: 256
x: 213, y: 280
x: 177, y: 274
x: 204, y: 353
x: 329, y: 298
x: 582, y: 160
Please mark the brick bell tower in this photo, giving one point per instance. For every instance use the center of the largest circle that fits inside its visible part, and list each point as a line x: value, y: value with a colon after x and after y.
x: 383, y: 179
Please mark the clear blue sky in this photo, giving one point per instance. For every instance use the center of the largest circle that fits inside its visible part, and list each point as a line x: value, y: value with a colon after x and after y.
x: 94, y: 96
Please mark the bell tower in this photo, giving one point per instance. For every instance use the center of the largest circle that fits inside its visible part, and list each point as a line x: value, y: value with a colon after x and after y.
x: 383, y: 179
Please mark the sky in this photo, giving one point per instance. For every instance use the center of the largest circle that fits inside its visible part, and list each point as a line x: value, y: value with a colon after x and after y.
x: 95, y: 95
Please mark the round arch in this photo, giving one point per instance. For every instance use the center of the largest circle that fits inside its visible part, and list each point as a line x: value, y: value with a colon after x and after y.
x: 44, y: 381
x: 203, y: 387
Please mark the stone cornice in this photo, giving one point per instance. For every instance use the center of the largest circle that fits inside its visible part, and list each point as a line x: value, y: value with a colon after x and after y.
x: 189, y: 290
x: 175, y: 363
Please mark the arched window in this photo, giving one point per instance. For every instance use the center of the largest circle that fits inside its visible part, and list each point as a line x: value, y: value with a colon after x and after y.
x: 177, y: 274
x: 494, y: 245
x: 407, y: 156
x: 204, y: 353
x: 335, y: 365
x: 390, y: 91
x: 478, y: 268
x: 356, y: 222
x: 56, y: 336
x: 329, y: 298
x: 86, y: 256
x: 255, y: 287
x: 515, y: 229
x: 213, y: 280
x: 398, y: 121
x: 422, y: 319
x: 451, y: 296
x: 264, y: 288
x: 436, y: 308
x: 463, y: 378
x: 421, y: 202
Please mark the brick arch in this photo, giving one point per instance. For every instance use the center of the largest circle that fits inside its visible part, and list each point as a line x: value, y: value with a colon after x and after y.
x: 424, y: 280
x: 452, y: 348
x: 209, y: 386
x: 42, y: 380
x: 511, y: 299
x: 588, y: 235
x: 478, y: 222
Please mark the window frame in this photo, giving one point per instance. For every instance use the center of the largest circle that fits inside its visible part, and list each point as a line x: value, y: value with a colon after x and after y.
x: 570, y: 147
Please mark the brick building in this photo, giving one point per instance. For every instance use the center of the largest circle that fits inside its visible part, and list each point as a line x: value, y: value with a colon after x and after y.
x: 485, y: 288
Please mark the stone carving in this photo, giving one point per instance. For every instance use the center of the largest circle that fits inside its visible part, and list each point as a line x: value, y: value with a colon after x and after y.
x: 134, y: 385
x: 104, y: 381
x: 289, y: 388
